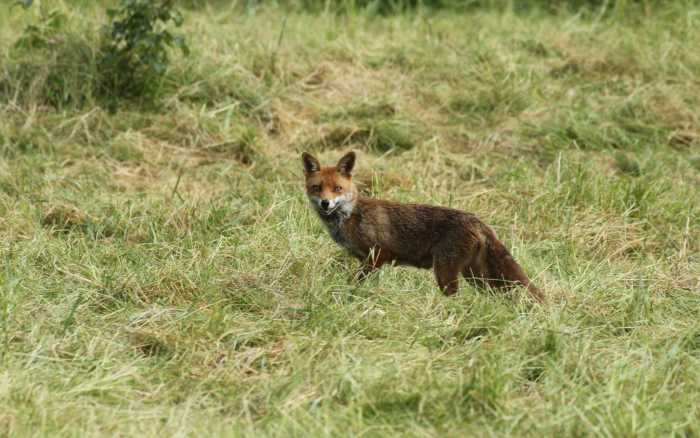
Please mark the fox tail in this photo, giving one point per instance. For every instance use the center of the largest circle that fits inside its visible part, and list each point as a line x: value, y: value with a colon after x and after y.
x: 505, y: 271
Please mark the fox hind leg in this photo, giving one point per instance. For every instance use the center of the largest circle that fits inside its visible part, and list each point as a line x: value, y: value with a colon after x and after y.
x: 475, y: 271
x: 493, y: 266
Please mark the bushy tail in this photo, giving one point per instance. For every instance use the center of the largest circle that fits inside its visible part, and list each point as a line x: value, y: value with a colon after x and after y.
x: 505, y: 271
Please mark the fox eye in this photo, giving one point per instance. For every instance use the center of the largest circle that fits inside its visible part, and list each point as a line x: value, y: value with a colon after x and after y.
x: 337, y: 189
x: 315, y: 188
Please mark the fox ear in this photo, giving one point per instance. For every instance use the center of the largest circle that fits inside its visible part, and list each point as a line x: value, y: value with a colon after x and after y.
x: 311, y: 164
x: 346, y: 163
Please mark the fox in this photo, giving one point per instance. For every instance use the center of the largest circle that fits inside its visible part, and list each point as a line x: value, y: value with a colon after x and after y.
x: 379, y: 232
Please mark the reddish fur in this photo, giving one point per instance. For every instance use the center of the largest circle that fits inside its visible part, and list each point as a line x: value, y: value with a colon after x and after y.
x: 449, y: 241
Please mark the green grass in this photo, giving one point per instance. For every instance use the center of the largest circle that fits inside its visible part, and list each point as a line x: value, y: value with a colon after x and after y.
x: 163, y: 275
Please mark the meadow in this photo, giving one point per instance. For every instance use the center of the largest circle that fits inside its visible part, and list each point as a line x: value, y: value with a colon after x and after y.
x: 163, y: 274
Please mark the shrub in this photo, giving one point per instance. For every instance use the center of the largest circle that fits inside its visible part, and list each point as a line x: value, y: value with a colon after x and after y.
x: 134, y: 51
x: 57, y: 66
x: 48, y: 65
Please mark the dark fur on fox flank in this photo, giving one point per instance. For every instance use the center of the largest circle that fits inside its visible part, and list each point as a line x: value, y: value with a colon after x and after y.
x: 449, y: 241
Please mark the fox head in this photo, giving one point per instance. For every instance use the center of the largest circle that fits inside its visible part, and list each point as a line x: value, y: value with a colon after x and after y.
x: 330, y: 189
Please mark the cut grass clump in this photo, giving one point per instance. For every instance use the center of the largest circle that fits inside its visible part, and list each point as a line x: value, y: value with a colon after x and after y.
x: 372, y: 126
x: 150, y: 344
x: 240, y: 93
x: 63, y: 218
x: 588, y: 129
x: 378, y: 137
x: 362, y: 111
x: 485, y: 104
x: 627, y: 164
x: 243, y: 147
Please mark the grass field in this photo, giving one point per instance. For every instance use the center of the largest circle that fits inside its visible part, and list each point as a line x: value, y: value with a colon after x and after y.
x: 163, y: 275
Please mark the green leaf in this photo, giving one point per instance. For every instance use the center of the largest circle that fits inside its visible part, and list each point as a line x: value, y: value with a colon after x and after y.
x: 26, y: 4
x: 177, y: 18
x: 160, y: 68
x: 180, y: 43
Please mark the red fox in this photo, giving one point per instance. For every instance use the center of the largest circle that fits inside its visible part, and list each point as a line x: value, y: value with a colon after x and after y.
x: 378, y: 232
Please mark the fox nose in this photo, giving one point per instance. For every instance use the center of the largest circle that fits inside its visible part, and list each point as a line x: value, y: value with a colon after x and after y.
x: 325, y: 204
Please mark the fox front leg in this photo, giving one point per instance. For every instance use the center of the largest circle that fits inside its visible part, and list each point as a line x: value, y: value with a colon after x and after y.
x: 376, y: 258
